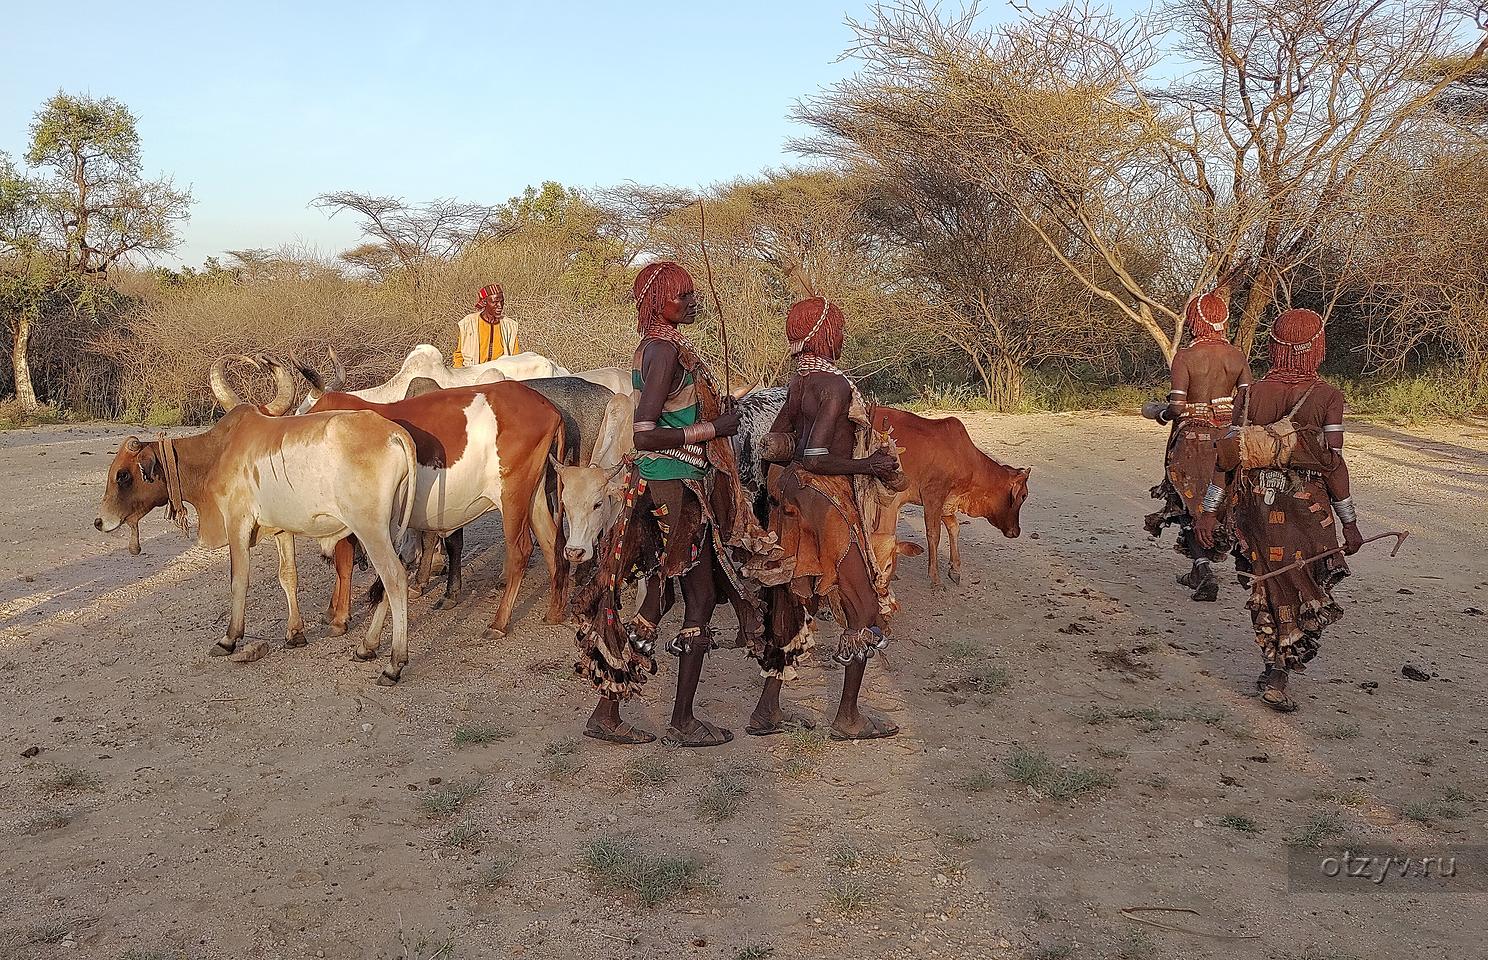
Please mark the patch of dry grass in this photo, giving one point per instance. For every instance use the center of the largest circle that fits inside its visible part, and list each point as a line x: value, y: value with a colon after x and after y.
x: 622, y: 863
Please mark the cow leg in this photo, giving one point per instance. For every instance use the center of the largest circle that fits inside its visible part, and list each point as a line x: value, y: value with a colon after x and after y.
x: 516, y: 523
x: 389, y: 566
x: 237, y: 563
x: 545, y: 531
x: 340, y: 609
x: 294, y: 630
x: 454, y: 548
x: 934, y: 509
x: 237, y: 573
x: 367, y: 649
x: 428, y: 546
x: 953, y: 529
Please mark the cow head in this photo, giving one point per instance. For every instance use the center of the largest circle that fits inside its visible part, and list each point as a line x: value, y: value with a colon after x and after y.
x: 590, y: 498
x: 135, y: 486
x: 1001, y: 500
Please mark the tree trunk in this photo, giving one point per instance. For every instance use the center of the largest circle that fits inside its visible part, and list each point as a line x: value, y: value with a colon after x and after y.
x: 1002, y: 382
x: 20, y: 366
x: 1257, y: 301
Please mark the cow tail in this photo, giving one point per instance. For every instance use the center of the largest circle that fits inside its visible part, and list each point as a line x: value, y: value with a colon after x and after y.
x: 558, y: 446
x: 410, y: 482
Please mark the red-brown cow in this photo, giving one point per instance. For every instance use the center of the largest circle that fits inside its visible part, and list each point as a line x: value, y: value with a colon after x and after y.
x: 948, y: 475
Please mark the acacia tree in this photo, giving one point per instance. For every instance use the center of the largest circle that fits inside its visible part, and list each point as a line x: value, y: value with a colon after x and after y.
x: 771, y: 240
x: 1276, y: 111
x: 87, y: 208
x: 1419, y: 268
x: 985, y: 288
x: 95, y: 205
x: 408, y: 240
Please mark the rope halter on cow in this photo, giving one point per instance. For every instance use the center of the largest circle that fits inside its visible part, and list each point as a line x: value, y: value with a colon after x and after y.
x: 170, y: 469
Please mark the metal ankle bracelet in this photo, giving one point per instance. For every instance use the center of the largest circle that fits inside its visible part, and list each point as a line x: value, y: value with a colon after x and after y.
x: 689, y: 639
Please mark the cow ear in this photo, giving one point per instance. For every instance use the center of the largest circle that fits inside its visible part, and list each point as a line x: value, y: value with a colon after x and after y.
x: 149, y: 465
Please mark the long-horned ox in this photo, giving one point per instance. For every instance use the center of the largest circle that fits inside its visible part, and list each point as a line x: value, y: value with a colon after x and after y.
x: 426, y: 360
x: 479, y: 449
x: 254, y: 474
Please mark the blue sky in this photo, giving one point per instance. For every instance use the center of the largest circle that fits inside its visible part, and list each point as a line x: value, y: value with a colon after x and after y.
x: 260, y: 106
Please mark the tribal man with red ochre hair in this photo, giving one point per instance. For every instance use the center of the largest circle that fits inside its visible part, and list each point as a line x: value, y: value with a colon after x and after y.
x: 1285, y: 482
x: 684, y: 517
x: 1207, y: 376
x: 835, y: 463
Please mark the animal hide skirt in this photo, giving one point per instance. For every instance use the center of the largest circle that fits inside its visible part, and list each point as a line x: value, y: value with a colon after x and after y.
x: 661, y: 530
x: 1187, y: 471
x: 819, y: 524
x: 1282, y: 516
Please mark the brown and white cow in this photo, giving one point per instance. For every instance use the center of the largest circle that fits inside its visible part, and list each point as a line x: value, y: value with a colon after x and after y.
x: 329, y: 476
x: 479, y: 449
x: 948, y: 475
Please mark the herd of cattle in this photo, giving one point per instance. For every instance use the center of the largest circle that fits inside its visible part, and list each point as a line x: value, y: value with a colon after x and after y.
x: 436, y: 448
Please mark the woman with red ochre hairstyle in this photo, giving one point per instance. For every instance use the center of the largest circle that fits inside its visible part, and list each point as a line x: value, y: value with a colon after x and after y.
x: 1282, y: 474
x: 684, y: 518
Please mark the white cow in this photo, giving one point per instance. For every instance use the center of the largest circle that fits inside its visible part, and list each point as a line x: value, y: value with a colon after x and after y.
x: 616, y: 379
x: 426, y: 360
x: 590, y: 494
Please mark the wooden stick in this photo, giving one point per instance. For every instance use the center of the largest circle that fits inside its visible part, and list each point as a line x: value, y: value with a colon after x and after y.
x: 1399, y: 536
x: 717, y: 304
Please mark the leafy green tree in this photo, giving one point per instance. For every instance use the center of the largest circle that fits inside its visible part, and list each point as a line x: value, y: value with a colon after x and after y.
x: 86, y: 208
x: 96, y: 206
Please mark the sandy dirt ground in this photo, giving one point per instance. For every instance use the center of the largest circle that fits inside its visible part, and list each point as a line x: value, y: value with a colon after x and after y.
x: 185, y: 806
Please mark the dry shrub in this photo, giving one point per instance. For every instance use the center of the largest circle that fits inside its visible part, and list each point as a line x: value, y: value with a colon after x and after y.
x: 299, y: 305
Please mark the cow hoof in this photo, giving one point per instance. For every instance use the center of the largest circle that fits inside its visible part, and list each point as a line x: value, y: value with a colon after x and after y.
x: 444, y: 603
x: 385, y: 679
x: 937, y: 587
x: 220, y: 649
x: 336, y: 630
x: 364, y: 655
x: 495, y: 633
x: 296, y: 639
x: 256, y: 650
x: 955, y: 577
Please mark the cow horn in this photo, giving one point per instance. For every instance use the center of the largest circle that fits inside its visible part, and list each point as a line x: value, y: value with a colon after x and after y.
x: 338, y: 371
x: 284, y: 388
x: 133, y: 445
x: 217, y: 377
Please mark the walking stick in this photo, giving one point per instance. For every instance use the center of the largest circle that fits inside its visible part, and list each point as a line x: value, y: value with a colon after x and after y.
x: 717, y: 305
x: 1399, y: 536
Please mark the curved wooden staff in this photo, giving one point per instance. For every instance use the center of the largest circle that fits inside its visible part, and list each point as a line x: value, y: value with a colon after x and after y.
x: 1399, y: 536
x: 717, y: 305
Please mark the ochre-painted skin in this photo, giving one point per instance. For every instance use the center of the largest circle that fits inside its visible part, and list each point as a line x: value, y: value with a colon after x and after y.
x: 479, y: 448
x: 660, y: 371
x: 816, y: 410
x: 1204, y: 370
x: 326, y: 477
x: 948, y: 475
